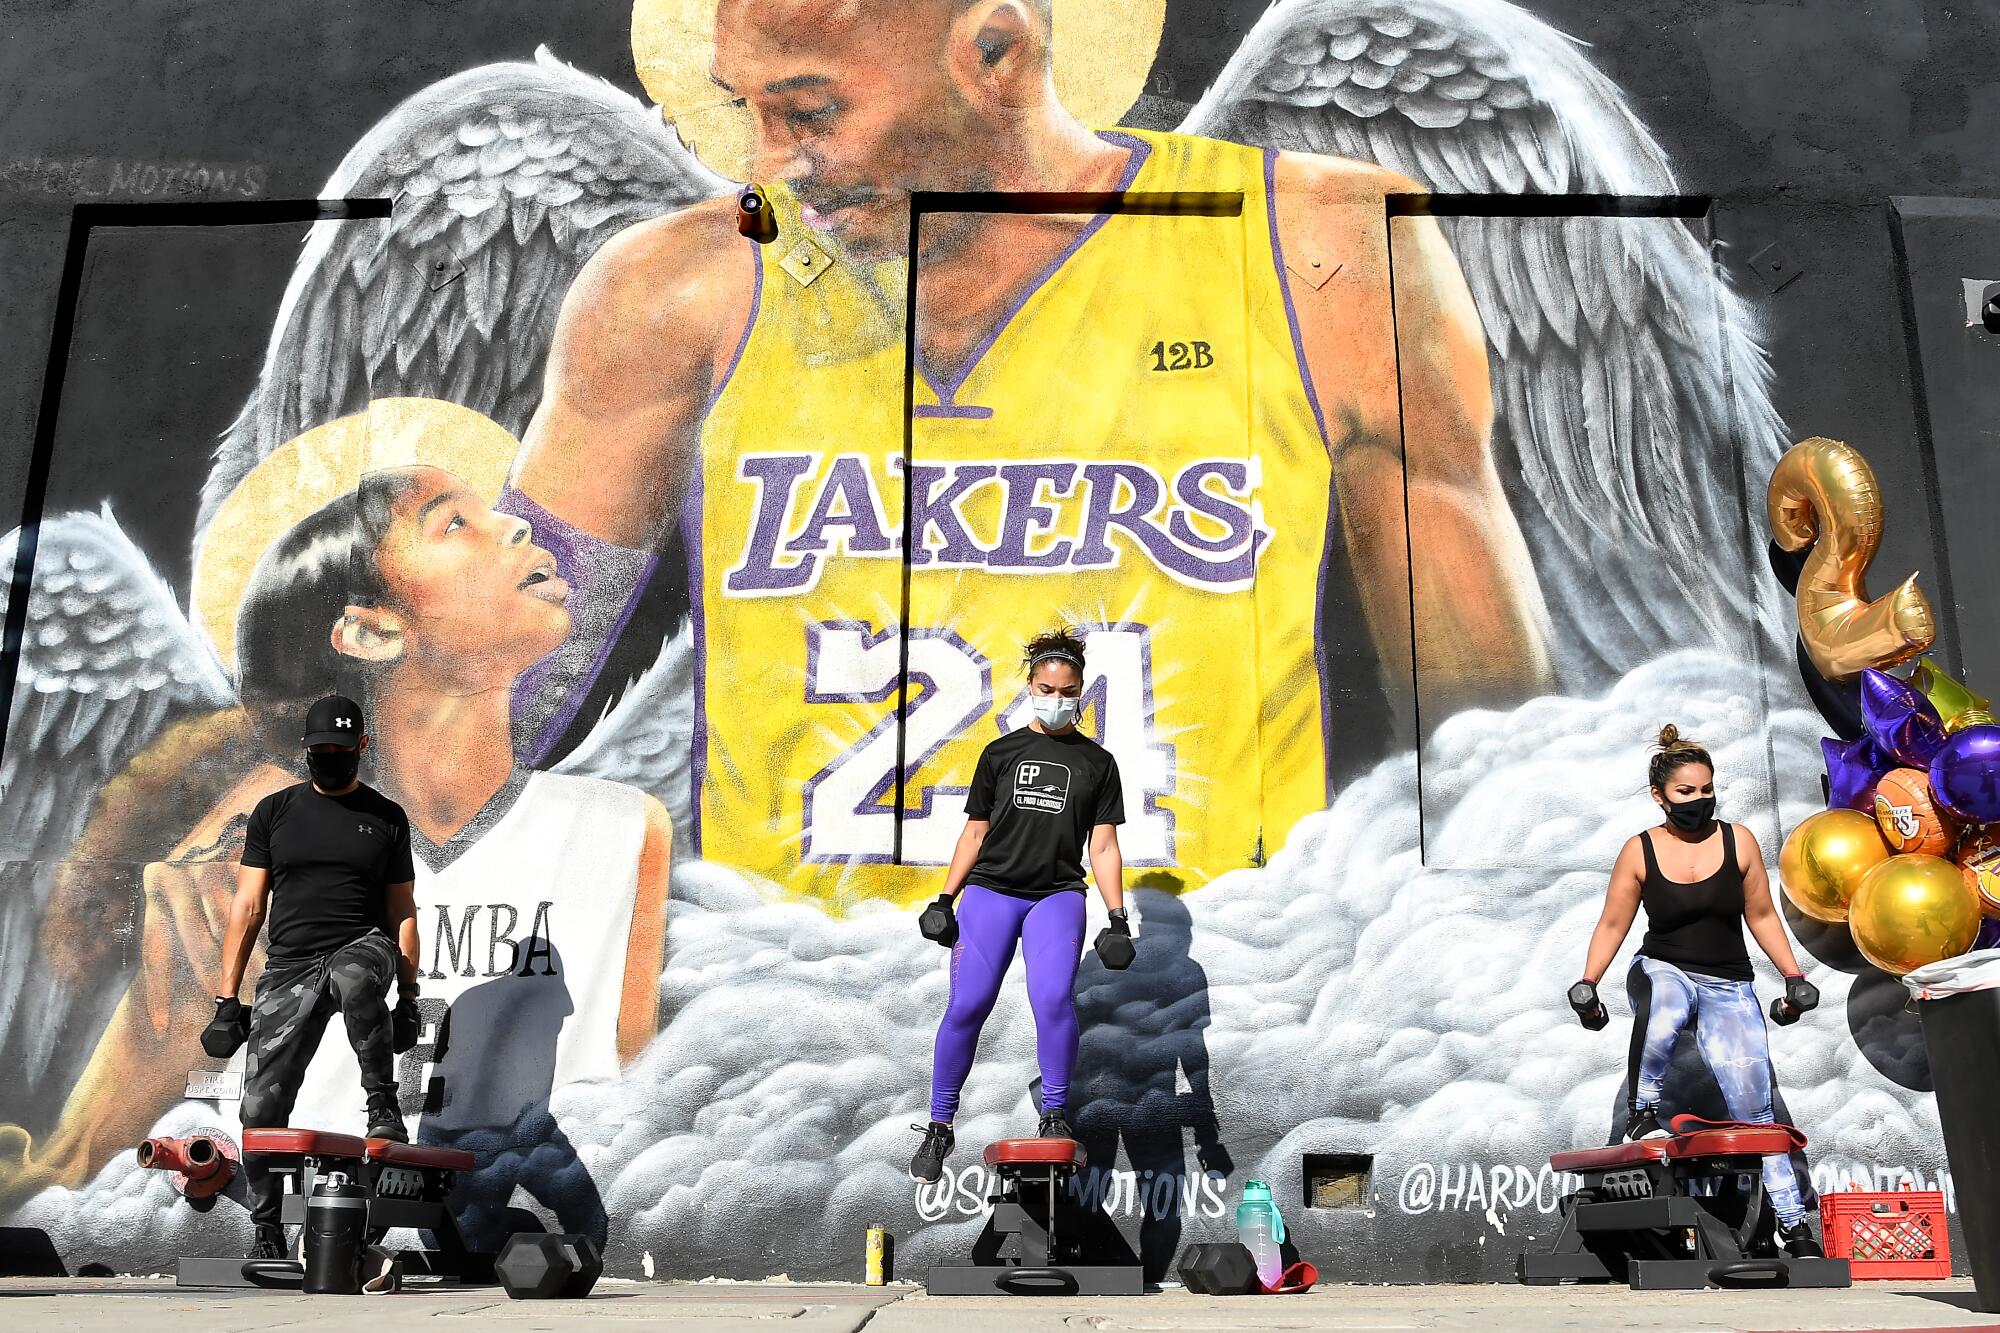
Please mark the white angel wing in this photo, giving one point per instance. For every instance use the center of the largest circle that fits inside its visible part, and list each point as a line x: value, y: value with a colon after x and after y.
x: 645, y: 739
x: 1632, y: 401
x: 506, y: 179
x: 108, y: 661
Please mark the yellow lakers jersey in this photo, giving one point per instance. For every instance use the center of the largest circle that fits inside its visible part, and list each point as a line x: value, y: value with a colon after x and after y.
x: 1132, y: 447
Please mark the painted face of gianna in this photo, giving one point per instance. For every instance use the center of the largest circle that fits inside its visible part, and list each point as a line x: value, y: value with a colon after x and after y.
x: 471, y: 596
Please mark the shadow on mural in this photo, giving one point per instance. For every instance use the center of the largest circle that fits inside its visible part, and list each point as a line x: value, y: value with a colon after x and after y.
x: 606, y: 514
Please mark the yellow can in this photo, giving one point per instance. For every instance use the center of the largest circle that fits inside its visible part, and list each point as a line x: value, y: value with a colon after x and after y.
x: 877, y: 1247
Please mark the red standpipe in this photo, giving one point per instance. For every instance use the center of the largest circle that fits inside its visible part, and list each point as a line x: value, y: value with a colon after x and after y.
x: 205, y: 1167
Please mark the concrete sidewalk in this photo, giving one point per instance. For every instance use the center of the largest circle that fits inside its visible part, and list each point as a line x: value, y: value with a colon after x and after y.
x: 121, y: 1305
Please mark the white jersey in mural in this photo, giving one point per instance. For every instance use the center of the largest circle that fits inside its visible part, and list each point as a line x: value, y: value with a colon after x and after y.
x: 522, y: 921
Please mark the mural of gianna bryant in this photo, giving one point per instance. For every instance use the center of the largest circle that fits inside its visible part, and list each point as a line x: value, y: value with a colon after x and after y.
x: 607, y: 533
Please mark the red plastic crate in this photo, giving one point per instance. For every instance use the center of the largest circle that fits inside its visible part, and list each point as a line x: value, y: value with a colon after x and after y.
x: 1887, y: 1234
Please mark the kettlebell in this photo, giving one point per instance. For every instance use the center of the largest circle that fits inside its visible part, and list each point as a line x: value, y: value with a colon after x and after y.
x: 336, y: 1234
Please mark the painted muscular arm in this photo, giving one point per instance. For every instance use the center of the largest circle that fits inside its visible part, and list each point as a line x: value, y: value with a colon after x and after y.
x: 645, y: 336
x: 1621, y: 905
x: 1759, y: 912
x: 646, y: 944
x: 139, y: 1066
x: 1480, y: 632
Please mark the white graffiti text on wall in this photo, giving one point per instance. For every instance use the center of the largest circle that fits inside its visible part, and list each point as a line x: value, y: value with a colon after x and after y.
x: 1138, y: 1194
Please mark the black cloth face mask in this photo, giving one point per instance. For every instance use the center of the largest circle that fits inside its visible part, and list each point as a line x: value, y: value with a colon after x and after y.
x: 1692, y: 816
x: 333, y: 769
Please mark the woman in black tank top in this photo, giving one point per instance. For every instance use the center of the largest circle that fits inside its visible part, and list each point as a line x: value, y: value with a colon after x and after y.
x: 1701, y: 882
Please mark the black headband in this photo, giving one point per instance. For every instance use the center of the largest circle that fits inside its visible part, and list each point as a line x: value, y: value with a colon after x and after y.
x: 1055, y: 655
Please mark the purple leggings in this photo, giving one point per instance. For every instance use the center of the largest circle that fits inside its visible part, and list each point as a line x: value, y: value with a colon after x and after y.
x: 1051, y: 934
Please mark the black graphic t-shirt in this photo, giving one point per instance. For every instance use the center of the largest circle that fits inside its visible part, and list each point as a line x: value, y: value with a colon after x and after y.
x: 1042, y: 795
x: 331, y: 860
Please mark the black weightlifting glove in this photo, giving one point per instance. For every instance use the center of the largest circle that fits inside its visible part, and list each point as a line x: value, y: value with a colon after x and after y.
x: 228, y: 1030
x: 939, y: 923
x: 1800, y: 996
x: 1590, y: 1010
x: 1114, y: 943
x: 405, y: 1023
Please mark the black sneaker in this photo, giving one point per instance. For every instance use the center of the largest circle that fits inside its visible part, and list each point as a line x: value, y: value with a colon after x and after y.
x: 386, y: 1122
x: 928, y: 1164
x: 1797, y: 1240
x: 270, y: 1244
x: 1645, y: 1124
x: 1053, y: 1126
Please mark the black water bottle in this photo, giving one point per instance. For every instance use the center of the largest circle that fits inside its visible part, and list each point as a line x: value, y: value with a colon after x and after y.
x: 336, y: 1234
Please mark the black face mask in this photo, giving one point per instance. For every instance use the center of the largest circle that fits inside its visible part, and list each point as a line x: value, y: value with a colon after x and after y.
x: 333, y: 769
x: 1692, y: 816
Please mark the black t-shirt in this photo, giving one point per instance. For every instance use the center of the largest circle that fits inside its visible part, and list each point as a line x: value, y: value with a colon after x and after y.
x: 1042, y: 795
x: 331, y: 860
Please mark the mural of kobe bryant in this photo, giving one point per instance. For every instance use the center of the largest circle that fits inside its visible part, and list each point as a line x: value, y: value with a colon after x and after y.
x: 1180, y: 428
x: 1177, y: 492
x: 377, y: 568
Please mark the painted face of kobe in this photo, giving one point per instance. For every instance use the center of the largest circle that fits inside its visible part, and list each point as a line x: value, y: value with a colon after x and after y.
x: 856, y: 105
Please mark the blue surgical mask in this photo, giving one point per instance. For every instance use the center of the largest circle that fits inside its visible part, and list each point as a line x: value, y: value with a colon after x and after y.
x: 1055, y: 711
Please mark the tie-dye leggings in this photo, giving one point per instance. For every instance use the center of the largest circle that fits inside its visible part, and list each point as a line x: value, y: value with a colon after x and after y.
x: 1729, y: 1030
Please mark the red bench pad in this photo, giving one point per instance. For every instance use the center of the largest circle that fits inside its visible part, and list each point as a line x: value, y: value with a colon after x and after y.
x: 303, y: 1143
x: 1035, y: 1152
x: 1759, y: 1142
x: 421, y: 1155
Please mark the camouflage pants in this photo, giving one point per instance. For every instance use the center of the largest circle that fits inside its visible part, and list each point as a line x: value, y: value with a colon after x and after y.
x: 294, y: 1001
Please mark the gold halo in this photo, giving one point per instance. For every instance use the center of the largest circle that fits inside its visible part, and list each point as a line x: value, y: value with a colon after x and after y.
x: 1103, y: 51
x: 326, y: 462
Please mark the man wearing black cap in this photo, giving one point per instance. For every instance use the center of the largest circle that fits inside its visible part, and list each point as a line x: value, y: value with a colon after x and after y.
x: 331, y: 857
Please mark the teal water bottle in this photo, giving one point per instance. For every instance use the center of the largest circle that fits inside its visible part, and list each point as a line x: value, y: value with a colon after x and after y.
x: 1262, y: 1231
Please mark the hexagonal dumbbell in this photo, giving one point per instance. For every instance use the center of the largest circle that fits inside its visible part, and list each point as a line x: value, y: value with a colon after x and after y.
x: 537, y: 1266
x: 1219, y: 1269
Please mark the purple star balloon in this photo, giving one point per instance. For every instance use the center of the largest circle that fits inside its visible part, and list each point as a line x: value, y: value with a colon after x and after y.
x: 1900, y: 720
x: 1989, y: 935
x: 1852, y: 770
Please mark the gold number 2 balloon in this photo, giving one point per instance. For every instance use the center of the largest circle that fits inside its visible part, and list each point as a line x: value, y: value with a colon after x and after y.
x: 1824, y: 492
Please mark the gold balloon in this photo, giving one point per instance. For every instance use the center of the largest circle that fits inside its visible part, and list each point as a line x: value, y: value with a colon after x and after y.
x: 1913, y: 910
x: 1824, y: 495
x: 1824, y: 858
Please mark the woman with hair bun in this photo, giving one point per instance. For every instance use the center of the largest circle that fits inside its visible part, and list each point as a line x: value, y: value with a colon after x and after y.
x: 1701, y: 881
x: 1044, y: 797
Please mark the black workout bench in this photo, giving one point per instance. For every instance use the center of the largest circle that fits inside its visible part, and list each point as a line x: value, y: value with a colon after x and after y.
x: 1039, y: 1240
x: 1655, y: 1214
x: 406, y: 1183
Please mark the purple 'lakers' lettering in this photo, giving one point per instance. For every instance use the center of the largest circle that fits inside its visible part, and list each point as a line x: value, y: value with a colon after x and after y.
x: 1053, y: 515
x: 1026, y: 518
x: 939, y: 509
x: 1235, y: 479
x: 777, y: 477
x: 860, y: 512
